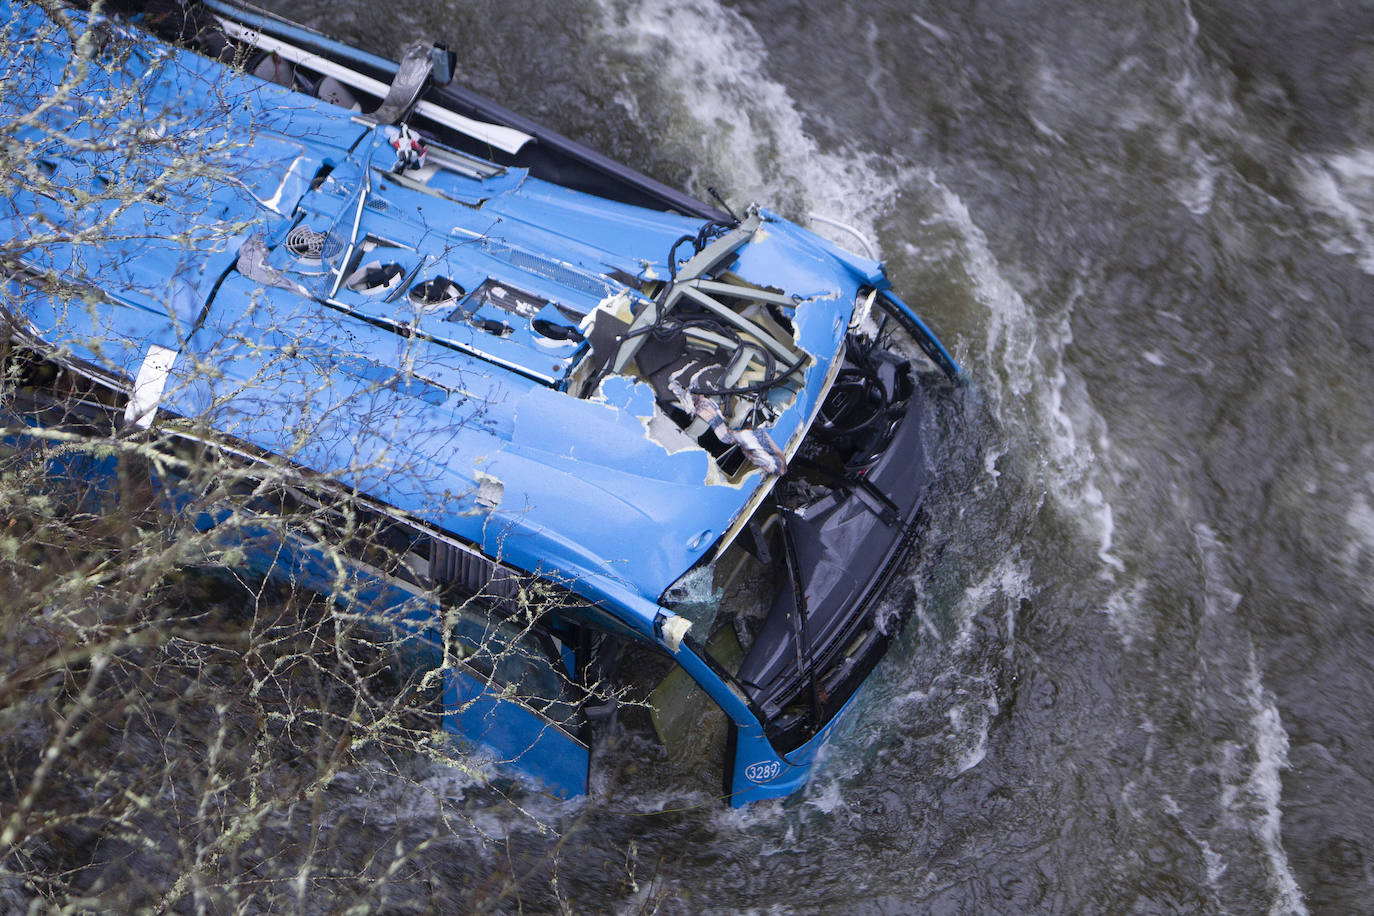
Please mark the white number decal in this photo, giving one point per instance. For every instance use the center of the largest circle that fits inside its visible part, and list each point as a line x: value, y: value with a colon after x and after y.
x: 762, y: 772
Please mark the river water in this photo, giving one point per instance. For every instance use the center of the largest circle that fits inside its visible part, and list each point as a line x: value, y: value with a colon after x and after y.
x: 1138, y: 677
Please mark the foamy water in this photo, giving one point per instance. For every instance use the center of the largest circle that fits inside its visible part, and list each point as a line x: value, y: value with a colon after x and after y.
x: 711, y: 63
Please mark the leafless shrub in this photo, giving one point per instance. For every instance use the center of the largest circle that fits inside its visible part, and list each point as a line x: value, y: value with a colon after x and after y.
x: 180, y: 729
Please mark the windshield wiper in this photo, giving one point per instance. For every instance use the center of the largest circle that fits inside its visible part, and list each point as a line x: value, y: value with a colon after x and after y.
x: 805, y: 661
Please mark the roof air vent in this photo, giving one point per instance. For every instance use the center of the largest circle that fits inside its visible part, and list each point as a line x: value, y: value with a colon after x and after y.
x: 305, y: 243
x: 434, y: 293
x: 555, y: 331
x: 374, y: 278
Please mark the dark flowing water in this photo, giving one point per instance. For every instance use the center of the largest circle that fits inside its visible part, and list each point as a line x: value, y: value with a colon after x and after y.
x: 1139, y: 677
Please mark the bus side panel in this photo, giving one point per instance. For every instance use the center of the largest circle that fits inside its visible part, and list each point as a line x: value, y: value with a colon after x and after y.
x: 520, y: 737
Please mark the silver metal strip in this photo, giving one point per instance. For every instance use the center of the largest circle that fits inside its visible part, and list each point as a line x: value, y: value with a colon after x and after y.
x: 148, y: 385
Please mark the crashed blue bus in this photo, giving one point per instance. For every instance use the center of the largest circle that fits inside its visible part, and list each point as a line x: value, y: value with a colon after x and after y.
x: 699, y: 437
